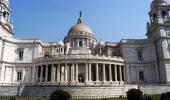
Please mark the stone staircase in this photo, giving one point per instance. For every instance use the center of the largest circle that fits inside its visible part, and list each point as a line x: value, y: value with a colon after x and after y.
x: 8, y: 91
x: 81, y: 91
x: 154, y: 89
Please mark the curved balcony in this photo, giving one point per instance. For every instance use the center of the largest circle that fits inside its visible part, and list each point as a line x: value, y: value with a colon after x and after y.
x: 78, y: 57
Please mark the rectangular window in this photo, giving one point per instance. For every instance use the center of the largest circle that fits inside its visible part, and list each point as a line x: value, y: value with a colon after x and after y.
x: 168, y: 33
x: 19, y: 76
x: 139, y: 53
x: 21, y: 52
x: 141, y: 76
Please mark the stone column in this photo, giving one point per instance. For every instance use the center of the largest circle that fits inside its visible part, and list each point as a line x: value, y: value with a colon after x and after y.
x: 83, y: 42
x: 97, y: 72
x: 87, y: 42
x: 76, y: 72
x: 89, y: 71
x: 120, y: 72
x: 23, y: 70
x: 36, y: 74
x: 46, y: 74
x: 77, y: 42
x: 41, y: 74
x: 156, y: 72
x: 104, y: 75
x: 53, y: 73
x: 65, y: 72
x: 72, y: 73
x: 72, y: 43
x: 86, y: 73
x: 110, y: 72
x: 58, y: 73
x: 13, y: 76
x: 127, y: 73
x: 115, y: 69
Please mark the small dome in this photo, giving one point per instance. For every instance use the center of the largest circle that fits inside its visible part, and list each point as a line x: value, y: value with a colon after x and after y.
x: 101, y: 43
x: 157, y: 3
x: 80, y: 27
x: 5, y: 1
x: 60, y: 43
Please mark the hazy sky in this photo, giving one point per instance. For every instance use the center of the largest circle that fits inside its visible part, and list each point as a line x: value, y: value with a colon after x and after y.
x: 50, y: 20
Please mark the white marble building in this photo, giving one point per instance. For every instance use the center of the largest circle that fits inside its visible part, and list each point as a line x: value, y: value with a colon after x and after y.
x: 81, y: 59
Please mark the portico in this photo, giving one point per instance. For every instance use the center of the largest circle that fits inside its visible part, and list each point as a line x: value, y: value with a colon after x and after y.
x: 80, y: 72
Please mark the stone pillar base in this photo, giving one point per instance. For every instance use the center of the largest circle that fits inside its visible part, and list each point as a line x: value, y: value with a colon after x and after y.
x: 105, y: 83
x: 115, y: 83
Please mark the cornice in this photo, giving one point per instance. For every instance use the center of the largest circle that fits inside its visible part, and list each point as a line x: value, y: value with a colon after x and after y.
x: 15, y: 62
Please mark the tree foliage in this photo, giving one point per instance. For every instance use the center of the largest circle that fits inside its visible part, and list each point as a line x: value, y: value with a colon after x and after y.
x: 165, y: 96
x: 60, y: 95
x: 134, y: 94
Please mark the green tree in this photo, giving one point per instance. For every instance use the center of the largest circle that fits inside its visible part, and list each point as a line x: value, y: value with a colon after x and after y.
x: 165, y: 96
x: 134, y: 94
x: 60, y: 95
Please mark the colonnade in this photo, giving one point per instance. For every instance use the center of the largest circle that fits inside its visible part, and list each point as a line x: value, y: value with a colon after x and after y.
x: 79, y: 72
x: 85, y: 42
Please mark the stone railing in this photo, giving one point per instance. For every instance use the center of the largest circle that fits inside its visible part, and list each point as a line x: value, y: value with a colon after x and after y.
x: 23, y: 60
x: 92, y: 83
x: 78, y: 56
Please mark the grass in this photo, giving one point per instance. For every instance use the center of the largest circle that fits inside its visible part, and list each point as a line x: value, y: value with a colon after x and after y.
x: 23, y: 98
x: 154, y: 97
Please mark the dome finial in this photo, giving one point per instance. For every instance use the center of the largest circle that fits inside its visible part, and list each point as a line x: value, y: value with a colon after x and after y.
x: 80, y: 20
x: 80, y: 14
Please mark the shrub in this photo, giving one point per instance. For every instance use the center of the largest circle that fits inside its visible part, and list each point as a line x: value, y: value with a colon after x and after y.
x: 60, y: 95
x: 134, y: 94
x: 165, y: 96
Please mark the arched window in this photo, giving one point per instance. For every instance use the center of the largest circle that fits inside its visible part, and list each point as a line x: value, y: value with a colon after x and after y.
x: 72, y: 42
x: 61, y: 50
x: 75, y: 42
x: 164, y: 14
x: 154, y: 18
x: 80, y: 44
x: 4, y: 14
x: 20, y: 53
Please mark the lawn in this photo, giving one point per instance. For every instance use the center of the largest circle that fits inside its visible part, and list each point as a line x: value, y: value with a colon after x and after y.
x: 154, y: 97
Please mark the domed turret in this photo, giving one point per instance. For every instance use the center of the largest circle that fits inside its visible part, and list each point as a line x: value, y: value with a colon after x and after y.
x: 6, y: 2
x: 101, y: 43
x: 156, y: 3
x: 5, y: 17
x: 60, y: 43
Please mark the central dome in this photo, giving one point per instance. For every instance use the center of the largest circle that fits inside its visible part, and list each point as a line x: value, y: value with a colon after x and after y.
x: 79, y: 27
x: 80, y: 36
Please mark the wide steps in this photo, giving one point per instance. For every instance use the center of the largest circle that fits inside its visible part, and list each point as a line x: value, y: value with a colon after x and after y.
x: 81, y: 91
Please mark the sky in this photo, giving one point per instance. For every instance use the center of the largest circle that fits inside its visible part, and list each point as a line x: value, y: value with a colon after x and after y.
x: 50, y: 20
